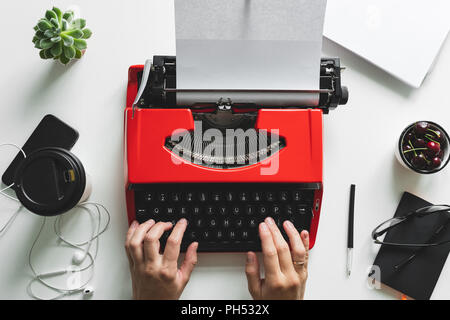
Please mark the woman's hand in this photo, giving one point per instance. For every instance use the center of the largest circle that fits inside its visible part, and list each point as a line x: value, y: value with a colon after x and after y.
x: 154, y: 275
x: 286, y: 268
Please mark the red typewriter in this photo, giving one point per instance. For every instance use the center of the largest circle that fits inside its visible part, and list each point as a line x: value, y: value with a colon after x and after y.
x: 223, y: 165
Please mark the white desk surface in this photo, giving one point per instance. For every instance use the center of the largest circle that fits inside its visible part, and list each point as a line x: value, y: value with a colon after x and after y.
x: 90, y: 95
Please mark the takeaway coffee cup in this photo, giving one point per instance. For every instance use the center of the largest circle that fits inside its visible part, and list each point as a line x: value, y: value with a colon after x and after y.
x: 51, y: 181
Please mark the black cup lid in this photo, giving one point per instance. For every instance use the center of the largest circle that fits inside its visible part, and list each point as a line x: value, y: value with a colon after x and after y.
x: 50, y: 181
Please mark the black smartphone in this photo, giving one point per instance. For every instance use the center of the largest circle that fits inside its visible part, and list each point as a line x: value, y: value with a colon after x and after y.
x: 50, y: 132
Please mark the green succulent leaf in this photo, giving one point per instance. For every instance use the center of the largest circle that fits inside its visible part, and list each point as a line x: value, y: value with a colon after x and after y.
x: 37, y: 44
x: 50, y: 14
x: 58, y: 13
x: 45, y: 44
x: 78, y: 54
x: 80, y: 44
x: 55, y: 23
x: 49, y: 33
x: 56, y: 50
x: 56, y: 39
x: 75, y: 33
x: 68, y: 40
x: 79, y: 23
x: 64, y: 59
x: 65, y: 25
x: 87, y: 33
x: 36, y: 28
x: 69, y: 52
x: 35, y: 39
x: 68, y: 16
x: 48, y: 54
x: 42, y: 54
x: 40, y: 34
x: 44, y: 25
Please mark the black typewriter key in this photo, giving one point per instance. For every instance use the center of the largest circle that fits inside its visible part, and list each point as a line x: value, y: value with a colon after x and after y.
x: 155, y: 211
x: 229, y: 196
x: 276, y: 210
x: 149, y: 197
x: 256, y: 196
x: 216, y: 197
x: 176, y: 197
x: 302, y: 210
x: 199, y: 223
x: 226, y: 223
x: 288, y: 210
x: 210, y: 210
x: 223, y: 211
x: 192, y: 235
x: 284, y: 196
x: 219, y: 235
x: 170, y: 210
x: 203, y: 196
x: 263, y: 210
x: 243, y: 196
x: 196, y: 210
x: 206, y: 235
x: 183, y: 211
x: 162, y: 197
x: 244, y: 235
x: 236, y: 210
x: 141, y: 213
x: 297, y: 196
x: 250, y: 210
x: 270, y: 196
x: 212, y: 223
x: 232, y: 235
x: 189, y: 197
x: 239, y: 223
x: 252, y: 223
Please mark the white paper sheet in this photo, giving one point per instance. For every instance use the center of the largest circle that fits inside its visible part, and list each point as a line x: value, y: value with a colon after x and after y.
x: 251, y: 45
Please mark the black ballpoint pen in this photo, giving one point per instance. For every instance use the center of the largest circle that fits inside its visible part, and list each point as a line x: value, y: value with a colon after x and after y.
x: 351, y: 216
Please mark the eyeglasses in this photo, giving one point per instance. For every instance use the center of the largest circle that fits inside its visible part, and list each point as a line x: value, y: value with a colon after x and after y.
x: 419, y: 213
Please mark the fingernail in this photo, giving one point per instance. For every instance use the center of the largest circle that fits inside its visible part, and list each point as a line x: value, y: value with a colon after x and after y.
x: 290, y: 224
x: 150, y: 221
x: 134, y: 224
x: 264, y: 227
x: 305, y: 234
x: 183, y: 220
x: 249, y: 258
x: 270, y: 221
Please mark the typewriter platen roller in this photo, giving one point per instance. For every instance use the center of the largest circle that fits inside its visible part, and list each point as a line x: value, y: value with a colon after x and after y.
x: 224, y: 194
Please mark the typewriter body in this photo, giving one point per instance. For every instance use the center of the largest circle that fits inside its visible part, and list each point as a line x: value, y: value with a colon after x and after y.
x: 223, y: 195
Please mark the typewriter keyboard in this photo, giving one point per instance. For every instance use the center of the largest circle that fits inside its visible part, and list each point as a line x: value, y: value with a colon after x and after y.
x: 225, y: 217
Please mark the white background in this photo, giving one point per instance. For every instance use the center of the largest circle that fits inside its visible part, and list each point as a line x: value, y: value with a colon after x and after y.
x: 90, y: 95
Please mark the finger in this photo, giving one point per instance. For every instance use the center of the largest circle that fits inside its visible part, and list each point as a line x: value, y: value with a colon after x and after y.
x: 151, y: 241
x: 130, y: 233
x: 305, y: 239
x: 297, y: 247
x: 135, y: 245
x: 284, y: 254
x: 190, y: 260
x: 172, y: 250
x: 270, y: 255
x: 253, y: 275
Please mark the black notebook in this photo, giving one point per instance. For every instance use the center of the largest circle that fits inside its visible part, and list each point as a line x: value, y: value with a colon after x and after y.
x: 418, y: 277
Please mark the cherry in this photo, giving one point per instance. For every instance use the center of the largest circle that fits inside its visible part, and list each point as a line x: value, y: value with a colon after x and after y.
x: 436, y: 162
x: 433, y: 148
x: 420, y: 143
x: 419, y: 161
x: 440, y: 154
x: 421, y: 128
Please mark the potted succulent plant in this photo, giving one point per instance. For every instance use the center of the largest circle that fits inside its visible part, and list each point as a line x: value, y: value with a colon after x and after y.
x: 60, y: 36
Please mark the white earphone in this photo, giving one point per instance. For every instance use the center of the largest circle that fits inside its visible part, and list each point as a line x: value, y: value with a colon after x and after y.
x: 79, y: 256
